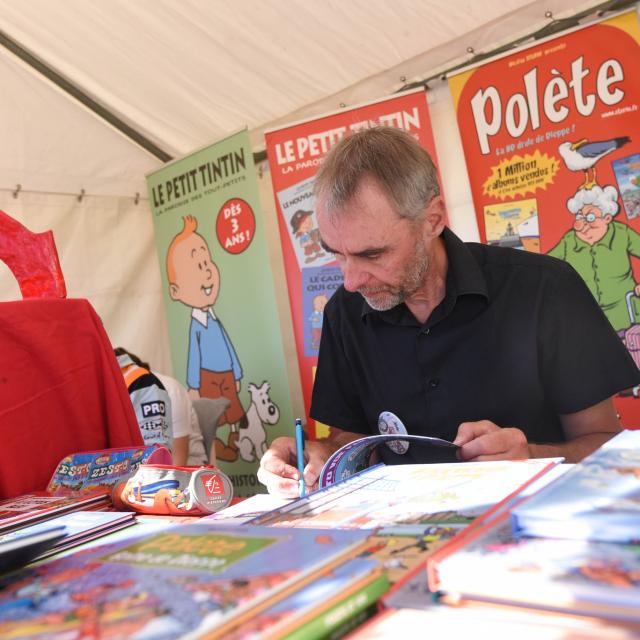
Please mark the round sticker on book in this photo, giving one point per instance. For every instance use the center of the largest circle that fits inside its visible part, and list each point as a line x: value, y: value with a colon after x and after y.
x: 389, y: 423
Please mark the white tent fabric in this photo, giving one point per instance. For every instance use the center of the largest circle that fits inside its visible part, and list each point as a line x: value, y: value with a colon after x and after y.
x: 186, y: 74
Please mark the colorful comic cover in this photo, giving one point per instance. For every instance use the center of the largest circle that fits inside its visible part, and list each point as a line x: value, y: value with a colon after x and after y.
x: 490, y: 564
x: 318, y: 285
x: 301, y: 612
x: 409, y: 499
x: 190, y: 579
x: 597, y: 499
x: 551, y: 139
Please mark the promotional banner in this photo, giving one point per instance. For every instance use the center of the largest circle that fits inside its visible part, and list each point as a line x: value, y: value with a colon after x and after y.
x: 551, y: 137
x: 295, y: 154
x: 219, y: 299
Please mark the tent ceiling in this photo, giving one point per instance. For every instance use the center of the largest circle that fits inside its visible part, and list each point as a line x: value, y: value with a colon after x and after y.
x: 187, y: 73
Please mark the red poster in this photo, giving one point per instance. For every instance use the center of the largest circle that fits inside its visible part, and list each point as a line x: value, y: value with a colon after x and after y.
x: 295, y: 153
x: 551, y: 137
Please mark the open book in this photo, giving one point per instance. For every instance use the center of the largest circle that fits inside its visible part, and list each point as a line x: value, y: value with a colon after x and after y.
x: 360, y: 454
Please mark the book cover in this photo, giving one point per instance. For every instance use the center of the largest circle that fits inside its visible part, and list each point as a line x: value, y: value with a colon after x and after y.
x: 409, y: 499
x: 490, y: 564
x: 320, y: 606
x: 493, y: 621
x: 598, y: 499
x: 186, y: 580
x: 18, y: 552
x: 77, y: 526
x: 360, y: 454
x: 30, y: 508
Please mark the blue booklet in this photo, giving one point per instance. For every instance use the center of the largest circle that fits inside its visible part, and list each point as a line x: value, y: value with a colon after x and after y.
x: 598, y: 499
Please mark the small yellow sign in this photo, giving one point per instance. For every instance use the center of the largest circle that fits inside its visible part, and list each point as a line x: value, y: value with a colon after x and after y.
x: 520, y: 175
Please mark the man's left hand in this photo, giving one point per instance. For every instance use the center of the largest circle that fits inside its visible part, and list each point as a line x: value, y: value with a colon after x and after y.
x: 485, y: 440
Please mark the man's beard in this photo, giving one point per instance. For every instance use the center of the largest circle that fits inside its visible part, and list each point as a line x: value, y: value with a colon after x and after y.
x: 387, y: 297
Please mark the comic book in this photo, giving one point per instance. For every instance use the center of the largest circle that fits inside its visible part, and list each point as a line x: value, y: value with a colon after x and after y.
x: 320, y: 606
x: 21, y: 550
x: 495, y: 622
x: 411, y: 499
x: 37, y: 506
x: 360, y: 454
x: 598, y: 499
x: 189, y: 580
x: 488, y: 563
x: 78, y: 527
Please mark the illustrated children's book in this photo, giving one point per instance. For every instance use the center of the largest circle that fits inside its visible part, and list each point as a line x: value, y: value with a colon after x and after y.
x: 488, y: 563
x: 37, y: 506
x: 184, y: 580
x: 360, y: 454
x: 321, y: 606
x: 598, y: 499
x: 408, y: 499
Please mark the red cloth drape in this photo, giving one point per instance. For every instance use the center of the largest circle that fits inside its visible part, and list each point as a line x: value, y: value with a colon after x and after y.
x: 61, y: 390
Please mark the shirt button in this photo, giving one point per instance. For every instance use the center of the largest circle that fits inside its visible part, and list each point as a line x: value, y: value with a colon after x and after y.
x: 427, y: 332
x: 433, y: 383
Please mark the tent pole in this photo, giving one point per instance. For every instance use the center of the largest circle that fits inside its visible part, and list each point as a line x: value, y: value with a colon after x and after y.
x: 73, y: 90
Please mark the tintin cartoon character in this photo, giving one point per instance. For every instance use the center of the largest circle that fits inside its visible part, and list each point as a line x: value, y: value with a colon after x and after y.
x: 599, y: 249
x: 319, y: 302
x: 306, y: 234
x: 213, y: 368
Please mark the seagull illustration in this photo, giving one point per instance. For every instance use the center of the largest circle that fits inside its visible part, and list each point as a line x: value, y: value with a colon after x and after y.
x: 583, y: 155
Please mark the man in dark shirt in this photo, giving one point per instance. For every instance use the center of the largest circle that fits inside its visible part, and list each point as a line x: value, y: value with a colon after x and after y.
x: 504, y: 352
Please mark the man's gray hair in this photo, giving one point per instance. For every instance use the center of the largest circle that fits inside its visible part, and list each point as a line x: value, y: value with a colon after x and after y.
x: 390, y: 156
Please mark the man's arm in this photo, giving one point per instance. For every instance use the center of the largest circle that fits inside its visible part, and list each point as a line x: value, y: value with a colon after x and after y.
x: 278, y: 470
x: 585, y: 431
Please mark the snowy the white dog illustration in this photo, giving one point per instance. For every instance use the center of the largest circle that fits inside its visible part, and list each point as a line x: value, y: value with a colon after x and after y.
x: 252, y: 442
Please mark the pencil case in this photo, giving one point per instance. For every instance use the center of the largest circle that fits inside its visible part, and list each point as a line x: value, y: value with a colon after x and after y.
x: 163, y: 489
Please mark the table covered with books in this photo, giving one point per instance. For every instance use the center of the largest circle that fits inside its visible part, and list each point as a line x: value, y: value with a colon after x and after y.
x: 517, y: 547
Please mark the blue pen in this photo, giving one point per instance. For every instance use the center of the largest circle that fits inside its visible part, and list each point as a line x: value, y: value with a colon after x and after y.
x: 302, y: 490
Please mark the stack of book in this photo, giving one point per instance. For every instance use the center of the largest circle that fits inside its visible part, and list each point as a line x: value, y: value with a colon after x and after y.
x: 584, y: 557
x: 17, y: 513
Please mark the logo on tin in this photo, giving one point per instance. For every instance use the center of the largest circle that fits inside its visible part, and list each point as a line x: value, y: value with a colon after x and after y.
x: 212, y: 484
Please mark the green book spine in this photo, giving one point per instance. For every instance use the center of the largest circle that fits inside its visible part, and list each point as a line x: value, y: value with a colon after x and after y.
x: 330, y: 622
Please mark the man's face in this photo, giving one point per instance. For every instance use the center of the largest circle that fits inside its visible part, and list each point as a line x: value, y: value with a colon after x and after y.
x: 590, y: 225
x: 197, y: 279
x: 382, y: 256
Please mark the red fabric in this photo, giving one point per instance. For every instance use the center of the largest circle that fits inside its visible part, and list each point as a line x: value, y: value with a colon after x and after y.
x: 61, y: 390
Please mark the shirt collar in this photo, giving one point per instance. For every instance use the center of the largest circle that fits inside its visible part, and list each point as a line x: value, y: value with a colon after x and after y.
x: 202, y: 316
x: 464, y: 278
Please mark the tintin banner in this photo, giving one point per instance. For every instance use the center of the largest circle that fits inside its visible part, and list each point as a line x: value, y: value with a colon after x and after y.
x: 295, y: 154
x: 219, y: 300
x: 551, y: 137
